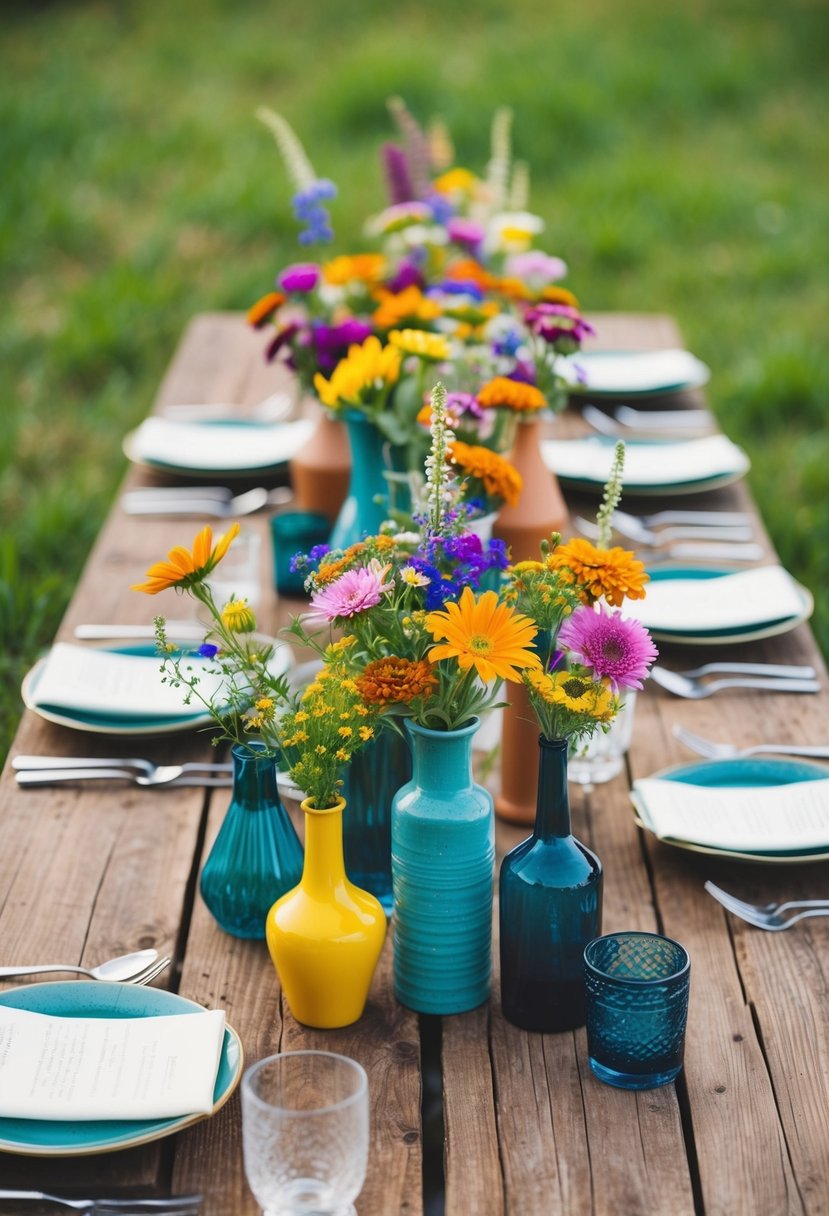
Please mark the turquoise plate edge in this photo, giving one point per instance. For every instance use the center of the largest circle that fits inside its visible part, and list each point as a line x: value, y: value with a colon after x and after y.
x: 82, y: 998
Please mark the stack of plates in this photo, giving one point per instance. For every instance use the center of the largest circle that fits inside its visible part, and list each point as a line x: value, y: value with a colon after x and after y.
x: 215, y: 449
x: 632, y: 373
x: 703, y: 606
x: 753, y: 809
x: 651, y: 467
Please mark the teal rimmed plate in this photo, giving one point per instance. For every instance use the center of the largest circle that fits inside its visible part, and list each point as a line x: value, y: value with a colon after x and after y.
x: 740, y: 633
x: 664, y: 372
x: 93, y: 999
x: 115, y: 724
x: 221, y: 437
x: 747, y: 772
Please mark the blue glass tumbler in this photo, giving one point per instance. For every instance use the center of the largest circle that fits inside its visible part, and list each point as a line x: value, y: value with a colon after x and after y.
x: 637, y: 1007
x: 295, y: 532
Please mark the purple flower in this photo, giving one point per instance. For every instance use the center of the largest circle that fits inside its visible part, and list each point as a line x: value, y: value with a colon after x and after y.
x: 618, y: 649
x: 458, y: 287
x: 302, y: 277
x: 207, y: 650
x: 396, y: 171
x: 535, y: 267
x: 408, y: 274
x: 283, y: 338
x: 459, y: 403
x: 507, y: 343
x: 354, y: 592
x: 309, y: 210
x: 465, y: 232
x: 331, y: 342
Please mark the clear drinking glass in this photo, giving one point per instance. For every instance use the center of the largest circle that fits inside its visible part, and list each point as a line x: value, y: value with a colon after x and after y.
x: 305, y: 1131
x: 603, y: 756
x: 637, y: 987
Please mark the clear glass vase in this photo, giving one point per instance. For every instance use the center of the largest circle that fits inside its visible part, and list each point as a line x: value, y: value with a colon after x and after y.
x: 550, y: 908
x: 257, y: 856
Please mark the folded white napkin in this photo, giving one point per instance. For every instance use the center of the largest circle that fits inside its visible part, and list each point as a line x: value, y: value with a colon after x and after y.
x: 764, y: 819
x: 119, y: 685
x: 217, y: 446
x: 646, y: 464
x: 108, y: 1068
x: 729, y: 601
x: 634, y: 371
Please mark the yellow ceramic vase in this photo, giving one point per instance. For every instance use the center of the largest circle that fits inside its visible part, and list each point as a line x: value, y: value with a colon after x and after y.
x: 325, y: 936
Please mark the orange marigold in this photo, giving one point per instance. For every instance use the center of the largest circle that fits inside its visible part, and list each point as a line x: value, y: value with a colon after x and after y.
x: 259, y: 312
x: 501, y: 392
x: 362, y: 267
x: 497, y: 475
x: 395, y: 308
x: 394, y: 680
x: 558, y: 295
x: 612, y: 574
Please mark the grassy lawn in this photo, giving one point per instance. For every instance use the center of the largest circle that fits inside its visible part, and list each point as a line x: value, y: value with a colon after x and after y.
x: 677, y: 154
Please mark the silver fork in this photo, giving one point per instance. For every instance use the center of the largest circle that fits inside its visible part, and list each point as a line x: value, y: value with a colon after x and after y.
x: 155, y: 774
x: 623, y: 418
x: 697, y: 690
x: 161, y: 501
x: 181, y: 1205
x: 769, y: 916
x: 152, y: 972
x: 729, y: 751
x: 632, y: 528
x: 714, y: 518
x: 163, y: 778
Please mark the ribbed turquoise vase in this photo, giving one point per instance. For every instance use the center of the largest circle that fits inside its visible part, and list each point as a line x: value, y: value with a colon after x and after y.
x: 370, y: 781
x: 366, y: 505
x: 442, y: 856
x: 256, y: 857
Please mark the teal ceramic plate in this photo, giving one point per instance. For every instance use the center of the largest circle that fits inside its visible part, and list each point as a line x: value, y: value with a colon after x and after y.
x: 113, y: 724
x: 694, y: 374
x: 721, y: 637
x: 752, y: 772
x: 295, y: 434
x: 93, y: 999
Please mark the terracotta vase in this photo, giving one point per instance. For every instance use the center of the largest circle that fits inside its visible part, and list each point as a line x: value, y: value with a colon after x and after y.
x: 519, y: 760
x: 540, y: 509
x: 321, y: 469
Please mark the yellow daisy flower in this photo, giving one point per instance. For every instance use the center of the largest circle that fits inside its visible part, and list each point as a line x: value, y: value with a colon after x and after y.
x: 184, y: 568
x: 428, y: 346
x: 485, y: 634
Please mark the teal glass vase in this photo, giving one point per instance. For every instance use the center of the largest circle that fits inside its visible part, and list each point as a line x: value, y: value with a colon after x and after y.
x: 256, y: 856
x: 550, y: 907
x: 370, y: 781
x: 443, y: 857
x: 366, y: 505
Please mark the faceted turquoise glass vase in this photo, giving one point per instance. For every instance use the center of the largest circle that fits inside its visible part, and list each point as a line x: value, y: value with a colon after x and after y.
x: 370, y: 781
x: 366, y: 504
x: 256, y: 856
x: 443, y: 857
x: 550, y: 907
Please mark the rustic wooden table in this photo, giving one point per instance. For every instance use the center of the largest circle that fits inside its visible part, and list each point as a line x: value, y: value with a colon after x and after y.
x: 467, y: 1111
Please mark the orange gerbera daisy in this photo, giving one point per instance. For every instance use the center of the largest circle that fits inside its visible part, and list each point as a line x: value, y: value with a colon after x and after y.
x: 484, y: 634
x: 612, y: 574
x: 501, y: 392
x: 496, y: 475
x: 394, y: 680
x: 184, y: 568
x: 259, y: 312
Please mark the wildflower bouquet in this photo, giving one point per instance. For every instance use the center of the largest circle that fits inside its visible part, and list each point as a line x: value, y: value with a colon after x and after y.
x: 590, y: 652
x: 317, y: 731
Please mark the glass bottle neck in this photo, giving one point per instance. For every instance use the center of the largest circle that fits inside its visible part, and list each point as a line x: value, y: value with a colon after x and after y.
x: 254, y: 779
x: 552, y: 814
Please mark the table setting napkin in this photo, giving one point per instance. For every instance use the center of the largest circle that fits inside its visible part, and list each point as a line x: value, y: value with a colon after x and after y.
x: 117, y: 685
x: 646, y: 464
x: 730, y: 601
x: 80, y: 1069
x: 755, y: 819
x: 642, y: 371
x: 216, y: 446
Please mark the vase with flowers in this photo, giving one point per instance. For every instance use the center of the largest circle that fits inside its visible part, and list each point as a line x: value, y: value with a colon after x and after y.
x: 425, y: 648
x: 551, y: 883
x: 325, y: 934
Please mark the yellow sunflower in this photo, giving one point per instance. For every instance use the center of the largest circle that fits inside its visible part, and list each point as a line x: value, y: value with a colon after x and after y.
x: 184, y: 568
x: 365, y: 370
x: 484, y: 634
x: 612, y: 574
x: 573, y: 692
x: 432, y: 347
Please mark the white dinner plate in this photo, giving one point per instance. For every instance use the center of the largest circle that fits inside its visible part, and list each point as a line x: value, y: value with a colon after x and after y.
x: 633, y: 373
x: 652, y: 467
x: 215, y: 449
x: 106, y: 724
x: 91, y: 999
x: 752, y: 772
x: 739, y: 633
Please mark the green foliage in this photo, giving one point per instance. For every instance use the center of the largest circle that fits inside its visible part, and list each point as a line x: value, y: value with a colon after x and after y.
x: 675, y: 153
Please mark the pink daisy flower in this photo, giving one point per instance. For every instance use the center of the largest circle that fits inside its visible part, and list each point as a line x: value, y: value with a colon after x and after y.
x: 354, y: 592
x: 618, y: 649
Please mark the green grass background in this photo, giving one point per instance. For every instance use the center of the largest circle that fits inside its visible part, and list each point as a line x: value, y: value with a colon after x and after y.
x: 678, y: 153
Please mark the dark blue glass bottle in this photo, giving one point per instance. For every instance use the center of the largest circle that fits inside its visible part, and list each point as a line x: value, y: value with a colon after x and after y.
x: 550, y: 908
x: 370, y: 782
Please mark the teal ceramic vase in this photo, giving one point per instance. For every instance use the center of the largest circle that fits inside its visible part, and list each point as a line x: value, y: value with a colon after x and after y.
x: 256, y: 857
x: 443, y: 857
x: 370, y: 781
x: 550, y: 907
x: 366, y: 505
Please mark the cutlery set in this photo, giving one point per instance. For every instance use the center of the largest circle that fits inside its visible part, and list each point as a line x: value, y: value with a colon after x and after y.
x: 170, y: 1205
x: 723, y: 535
x: 140, y: 967
x: 624, y: 418
x: 770, y: 677
x: 216, y: 501
x: 49, y: 770
x: 775, y: 916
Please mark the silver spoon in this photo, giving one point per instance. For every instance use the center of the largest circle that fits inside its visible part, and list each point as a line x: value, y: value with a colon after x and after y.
x: 125, y: 967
